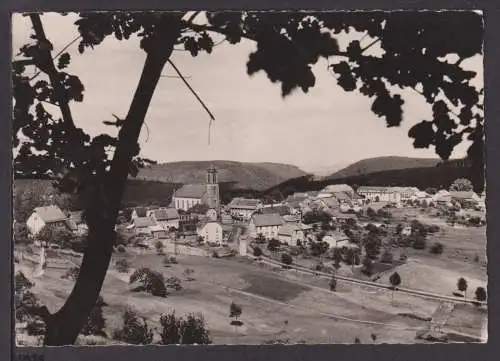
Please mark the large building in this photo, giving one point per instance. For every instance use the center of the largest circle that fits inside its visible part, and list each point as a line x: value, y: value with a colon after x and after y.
x: 266, y: 225
x: 380, y: 194
x: 190, y: 195
x: 43, y: 216
x: 244, y: 207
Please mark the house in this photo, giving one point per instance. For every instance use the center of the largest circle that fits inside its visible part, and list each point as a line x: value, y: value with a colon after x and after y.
x: 226, y: 219
x: 266, y: 224
x: 466, y: 199
x: 43, y: 216
x: 282, y: 210
x: 243, y: 208
x: 157, y: 231
x: 406, y: 193
x: 339, y: 188
x: 289, y: 218
x: 290, y: 233
x: 166, y: 218
x: 211, y: 232
x: 139, y: 212
x: 76, y: 223
x: 143, y: 225
x: 380, y: 194
x: 190, y: 195
x: 336, y: 239
x: 442, y: 197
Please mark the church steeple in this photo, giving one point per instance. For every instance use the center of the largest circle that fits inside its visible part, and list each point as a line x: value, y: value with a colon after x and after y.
x: 212, y: 186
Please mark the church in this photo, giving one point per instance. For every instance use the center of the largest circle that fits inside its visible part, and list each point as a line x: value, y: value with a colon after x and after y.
x: 190, y: 195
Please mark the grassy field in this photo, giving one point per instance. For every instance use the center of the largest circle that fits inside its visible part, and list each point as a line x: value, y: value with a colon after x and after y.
x: 276, y: 304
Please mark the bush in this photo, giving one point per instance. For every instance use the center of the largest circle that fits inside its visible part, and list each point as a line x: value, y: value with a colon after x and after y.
x: 273, y: 245
x: 159, y: 248
x: 188, y: 273
x: 433, y: 228
x: 72, y: 273
x: 150, y: 281
x: 135, y: 331
x: 367, y: 266
x: 174, y: 283
x: 122, y: 265
x: 286, y: 259
x: 333, y: 284
x: 257, y: 252
x: 24, y: 303
x: 22, y: 283
x: 186, y: 331
x: 166, y: 261
x: 96, y: 323
x: 235, y: 311
x: 481, y: 294
x: 437, y: 248
x: 35, y: 326
x: 121, y: 248
x: 173, y: 260
x: 419, y: 242
x: 403, y: 257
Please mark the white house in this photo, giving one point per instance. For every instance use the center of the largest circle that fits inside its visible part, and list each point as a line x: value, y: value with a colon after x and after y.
x: 244, y: 207
x: 380, y: 194
x: 43, y: 216
x: 211, y: 232
x: 166, y: 218
x: 188, y: 196
x: 336, y: 188
x: 266, y: 224
x: 290, y: 233
x: 336, y: 240
x: 139, y: 212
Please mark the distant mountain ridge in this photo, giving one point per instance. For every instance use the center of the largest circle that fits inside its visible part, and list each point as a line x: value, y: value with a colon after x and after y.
x: 258, y: 176
x: 381, y: 164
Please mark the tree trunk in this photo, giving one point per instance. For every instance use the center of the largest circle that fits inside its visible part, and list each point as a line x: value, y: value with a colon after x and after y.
x: 64, y: 326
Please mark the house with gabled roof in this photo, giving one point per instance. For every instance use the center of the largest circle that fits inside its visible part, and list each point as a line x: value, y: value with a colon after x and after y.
x: 266, y: 224
x: 43, y: 216
x: 139, y: 212
x: 291, y: 234
x: 143, y: 225
x: 166, y: 218
x: 244, y: 207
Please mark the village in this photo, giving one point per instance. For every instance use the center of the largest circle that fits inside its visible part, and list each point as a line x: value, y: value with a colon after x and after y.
x: 341, y: 240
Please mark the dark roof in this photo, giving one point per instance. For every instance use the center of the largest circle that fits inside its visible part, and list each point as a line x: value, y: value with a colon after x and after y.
x: 165, y: 214
x: 338, y: 236
x: 245, y: 203
x: 142, y: 222
x: 141, y: 211
x: 281, y: 210
x: 288, y: 228
x: 330, y: 202
x: 50, y: 214
x: 191, y: 191
x: 263, y: 220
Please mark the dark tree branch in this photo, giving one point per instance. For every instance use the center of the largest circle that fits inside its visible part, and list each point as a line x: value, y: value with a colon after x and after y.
x: 58, y: 54
x: 370, y: 45
x: 50, y: 69
x: 193, y: 16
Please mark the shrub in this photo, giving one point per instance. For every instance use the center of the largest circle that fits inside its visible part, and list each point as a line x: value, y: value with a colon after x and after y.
x: 96, y: 322
x: 72, y: 273
x: 188, y: 273
x: 333, y: 284
x: 159, y: 248
x: 187, y: 331
x: 173, y: 260
x: 437, y: 248
x: 135, y: 330
x: 22, y: 283
x: 166, y: 261
x: 286, y: 259
x: 174, y: 283
x: 481, y: 294
x: 433, y: 228
x: 121, y: 248
x: 462, y: 285
x: 273, y: 245
x: 403, y: 257
x: 122, y: 265
x: 319, y: 266
x: 24, y: 303
x: 235, y: 311
x: 257, y: 252
x: 419, y: 242
x: 367, y: 266
x: 150, y: 281
x: 35, y: 326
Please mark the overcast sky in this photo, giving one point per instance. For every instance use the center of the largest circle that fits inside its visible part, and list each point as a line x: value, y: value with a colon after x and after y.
x: 318, y: 131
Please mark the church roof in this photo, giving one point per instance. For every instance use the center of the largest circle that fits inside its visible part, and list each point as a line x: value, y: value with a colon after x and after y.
x: 191, y: 191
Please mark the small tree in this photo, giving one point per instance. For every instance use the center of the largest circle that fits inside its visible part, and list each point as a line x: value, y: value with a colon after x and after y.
x: 437, y: 248
x: 286, y: 259
x: 174, y: 283
x: 96, y: 323
x: 235, y: 312
x: 333, y: 284
x: 135, y: 330
x: 395, y: 280
x: 461, y: 184
x: 337, y: 258
x: 159, y: 248
x: 462, y: 286
x: 72, y: 273
x: 481, y: 294
x: 171, y: 329
x: 149, y: 281
x: 367, y: 266
x: 387, y: 257
x: 194, y: 330
x: 257, y: 252
x: 273, y: 245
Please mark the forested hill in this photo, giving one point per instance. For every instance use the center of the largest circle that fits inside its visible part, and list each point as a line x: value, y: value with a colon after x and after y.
x: 257, y: 176
x: 380, y: 164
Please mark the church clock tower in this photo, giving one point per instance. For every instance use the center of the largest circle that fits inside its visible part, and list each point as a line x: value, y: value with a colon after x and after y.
x: 212, y: 195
